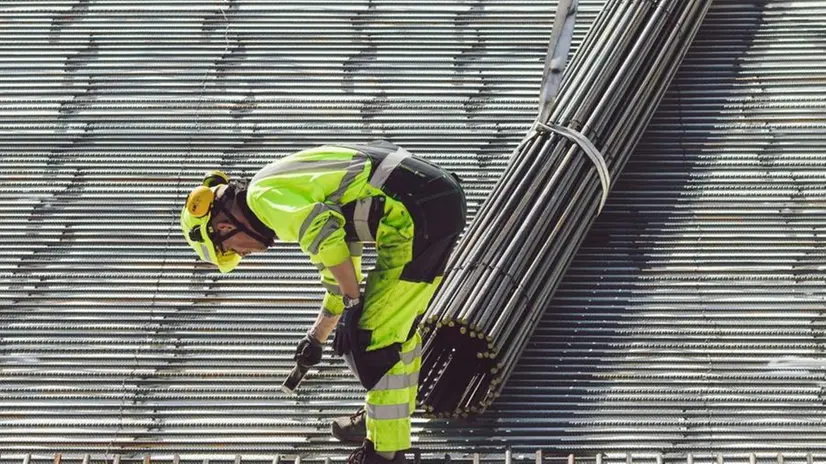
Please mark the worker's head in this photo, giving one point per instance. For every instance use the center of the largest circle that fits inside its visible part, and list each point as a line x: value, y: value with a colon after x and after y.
x: 214, y: 225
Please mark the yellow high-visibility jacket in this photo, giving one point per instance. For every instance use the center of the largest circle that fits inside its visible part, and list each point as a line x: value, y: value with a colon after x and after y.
x: 317, y: 197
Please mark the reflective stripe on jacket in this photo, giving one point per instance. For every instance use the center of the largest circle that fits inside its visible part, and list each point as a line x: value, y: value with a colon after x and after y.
x: 301, y: 197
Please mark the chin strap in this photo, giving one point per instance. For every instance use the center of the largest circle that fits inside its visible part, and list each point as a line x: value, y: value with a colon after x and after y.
x: 236, y: 191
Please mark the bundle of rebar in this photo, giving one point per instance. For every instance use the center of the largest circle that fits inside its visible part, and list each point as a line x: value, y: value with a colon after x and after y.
x: 513, y: 256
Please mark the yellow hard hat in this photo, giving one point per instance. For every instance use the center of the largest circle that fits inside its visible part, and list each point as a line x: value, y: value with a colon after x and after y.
x: 195, y: 226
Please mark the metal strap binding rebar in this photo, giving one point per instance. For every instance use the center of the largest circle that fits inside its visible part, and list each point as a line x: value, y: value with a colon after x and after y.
x: 589, y: 149
x: 513, y: 255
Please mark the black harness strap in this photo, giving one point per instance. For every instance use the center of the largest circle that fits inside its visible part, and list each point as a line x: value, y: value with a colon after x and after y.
x: 259, y: 231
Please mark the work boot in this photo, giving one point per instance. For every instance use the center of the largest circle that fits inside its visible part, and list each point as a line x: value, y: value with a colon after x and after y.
x: 366, y: 454
x: 350, y: 429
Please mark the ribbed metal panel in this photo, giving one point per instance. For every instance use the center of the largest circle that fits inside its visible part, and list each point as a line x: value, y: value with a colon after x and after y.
x: 692, y: 318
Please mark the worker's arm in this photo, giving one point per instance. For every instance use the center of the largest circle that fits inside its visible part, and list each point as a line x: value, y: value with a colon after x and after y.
x: 324, y: 325
x: 345, y: 275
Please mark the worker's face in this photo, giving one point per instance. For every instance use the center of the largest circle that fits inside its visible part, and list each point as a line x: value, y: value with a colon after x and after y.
x: 240, y: 243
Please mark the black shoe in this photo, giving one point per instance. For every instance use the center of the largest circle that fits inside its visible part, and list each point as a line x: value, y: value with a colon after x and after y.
x: 366, y: 454
x: 350, y: 429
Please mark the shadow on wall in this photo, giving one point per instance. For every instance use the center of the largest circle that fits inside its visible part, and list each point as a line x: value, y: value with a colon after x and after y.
x: 659, y: 338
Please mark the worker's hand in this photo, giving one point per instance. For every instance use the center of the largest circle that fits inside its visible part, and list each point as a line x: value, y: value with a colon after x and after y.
x: 308, y: 352
x: 346, y: 327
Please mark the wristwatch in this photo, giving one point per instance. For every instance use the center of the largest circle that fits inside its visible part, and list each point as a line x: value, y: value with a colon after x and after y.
x: 350, y: 303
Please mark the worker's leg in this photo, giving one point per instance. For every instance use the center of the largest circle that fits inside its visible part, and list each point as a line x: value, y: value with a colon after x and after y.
x: 413, y: 358
x: 392, y: 309
x: 391, y: 402
x: 410, y: 262
x: 392, y: 312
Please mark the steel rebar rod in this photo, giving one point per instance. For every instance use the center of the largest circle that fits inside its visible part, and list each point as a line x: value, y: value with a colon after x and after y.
x: 513, y: 256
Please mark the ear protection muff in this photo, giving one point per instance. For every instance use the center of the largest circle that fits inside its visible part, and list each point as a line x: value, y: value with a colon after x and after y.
x: 213, y: 178
x: 199, y: 201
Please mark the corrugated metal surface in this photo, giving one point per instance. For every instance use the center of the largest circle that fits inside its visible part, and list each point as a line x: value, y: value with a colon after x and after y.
x: 692, y: 319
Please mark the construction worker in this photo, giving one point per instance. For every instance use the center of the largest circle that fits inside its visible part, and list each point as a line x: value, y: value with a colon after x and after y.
x: 329, y: 200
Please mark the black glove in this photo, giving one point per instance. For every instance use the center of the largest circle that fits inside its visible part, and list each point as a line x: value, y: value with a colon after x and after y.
x: 308, y: 352
x: 344, y: 341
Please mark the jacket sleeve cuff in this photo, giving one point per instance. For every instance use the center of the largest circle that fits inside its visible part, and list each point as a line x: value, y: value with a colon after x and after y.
x: 334, y: 254
x: 332, y: 305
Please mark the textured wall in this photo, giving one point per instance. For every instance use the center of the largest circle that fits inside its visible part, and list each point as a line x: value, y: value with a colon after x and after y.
x: 692, y: 318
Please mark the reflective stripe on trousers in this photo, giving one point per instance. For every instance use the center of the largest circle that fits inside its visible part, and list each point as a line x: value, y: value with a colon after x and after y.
x: 392, y: 401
